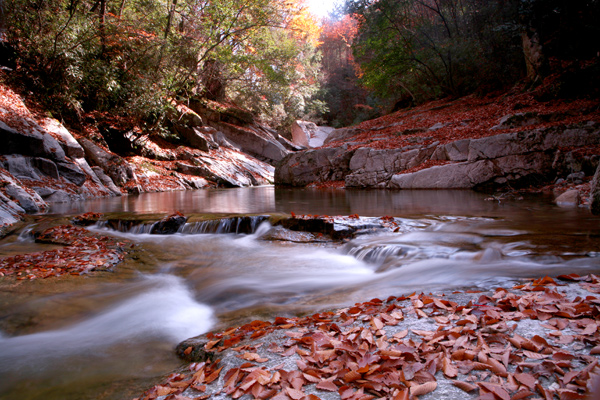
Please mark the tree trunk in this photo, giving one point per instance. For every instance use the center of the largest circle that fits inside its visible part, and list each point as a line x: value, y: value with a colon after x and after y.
x: 102, y: 27
x: 534, y: 55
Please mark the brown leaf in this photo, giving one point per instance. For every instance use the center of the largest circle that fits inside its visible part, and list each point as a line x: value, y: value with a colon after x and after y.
x: 294, y: 394
x: 467, y: 387
x: 425, y: 388
x: 526, y: 379
x: 376, y: 323
x: 327, y: 385
x: 352, y: 376
x: 448, y: 368
x: 498, y: 390
x: 496, y: 367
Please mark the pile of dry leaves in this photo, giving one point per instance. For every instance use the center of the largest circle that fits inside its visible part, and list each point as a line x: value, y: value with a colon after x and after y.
x: 539, y: 340
x: 83, y: 252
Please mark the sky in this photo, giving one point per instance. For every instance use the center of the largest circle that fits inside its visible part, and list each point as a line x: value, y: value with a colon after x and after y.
x: 321, y: 8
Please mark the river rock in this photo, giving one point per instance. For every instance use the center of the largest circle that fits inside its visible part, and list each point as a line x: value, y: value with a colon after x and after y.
x: 71, y: 147
x: 168, y: 225
x: 106, y: 181
x: 114, y: 166
x: 570, y: 198
x: 29, y: 140
x: 516, y: 169
x: 318, y: 225
x: 595, y: 193
x: 29, y: 200
x: 254, y: 141
x: 200, y: 138
x: 279, y: 233
x: 21, y: 167
x: 315, y: 165
x: 373, y: 168
x: 302, y: 131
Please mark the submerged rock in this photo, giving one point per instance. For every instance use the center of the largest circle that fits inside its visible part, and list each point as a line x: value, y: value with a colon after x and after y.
x: 169, y: 225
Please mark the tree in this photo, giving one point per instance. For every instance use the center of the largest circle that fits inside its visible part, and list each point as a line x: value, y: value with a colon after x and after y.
x: 132, y: 56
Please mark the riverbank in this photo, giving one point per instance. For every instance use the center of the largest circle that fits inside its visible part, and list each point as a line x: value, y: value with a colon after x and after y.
x: 499, y: 143
x: 538, y: 339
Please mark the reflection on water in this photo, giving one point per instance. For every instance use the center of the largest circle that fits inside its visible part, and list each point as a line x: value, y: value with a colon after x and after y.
x: 119, y: 326
x: 268, y: 199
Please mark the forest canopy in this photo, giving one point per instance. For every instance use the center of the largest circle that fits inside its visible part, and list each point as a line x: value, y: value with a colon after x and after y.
x: 132, y: 56
x: 274, y: 58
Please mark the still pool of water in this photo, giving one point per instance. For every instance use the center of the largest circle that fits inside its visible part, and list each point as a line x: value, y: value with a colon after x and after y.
x: 111, y: 334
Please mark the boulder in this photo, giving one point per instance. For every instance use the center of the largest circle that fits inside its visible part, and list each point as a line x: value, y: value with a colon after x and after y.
x: 302, y: 131
x: 71, y: 147
x: 45, y: 166
x: 463, y: 175
x: 315, y: 165
x: 537, y: 140
x: 168, y: 225
x: 289, y: 145
x: 114, y: 166
x: 198, y: 137
x: 320, y: 136
x: 570, y: 198
x: 30, y: 140
x: 595, y: 193
x: 10, y: 213
x: 253, y: 141
x: 71, y: 172
x: 514, y: 170
x: 21, y: 167
x: 373, y: 168
x: 106, y: 181
x: 30, y: 201
x: 230, y: 168
x: 342, y: 134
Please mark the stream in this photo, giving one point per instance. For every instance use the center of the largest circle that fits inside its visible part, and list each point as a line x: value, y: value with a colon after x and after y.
x: 111, y: 335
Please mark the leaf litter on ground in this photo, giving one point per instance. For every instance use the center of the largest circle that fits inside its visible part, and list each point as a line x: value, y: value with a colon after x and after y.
x: 537, y: 340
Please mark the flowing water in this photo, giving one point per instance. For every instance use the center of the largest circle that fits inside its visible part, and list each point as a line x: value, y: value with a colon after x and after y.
x: 111, y: 334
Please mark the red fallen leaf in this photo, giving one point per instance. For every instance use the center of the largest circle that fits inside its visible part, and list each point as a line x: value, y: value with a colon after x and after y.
x: 467, y: 387
x: 534, y: 355
x: 294, y: 394
x: 164, y: 390
x: 346, y: 392
x: 522, y: 394
x: 376, y: 323
x: 352, y: 376
x: 497, y: 390
x: 497, y: 367
x: 425, y: 388
x: 448, y: 368
x: 402, y: 394
x: 327, y: 385
x: 570, y: 277
x: 212, y: 377
x: 526, y: 379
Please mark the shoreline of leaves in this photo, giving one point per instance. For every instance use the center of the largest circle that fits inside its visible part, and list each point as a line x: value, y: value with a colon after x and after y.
x: 370, y: 351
